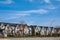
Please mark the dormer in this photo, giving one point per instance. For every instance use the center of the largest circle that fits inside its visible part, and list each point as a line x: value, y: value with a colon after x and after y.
x: 2, y: 26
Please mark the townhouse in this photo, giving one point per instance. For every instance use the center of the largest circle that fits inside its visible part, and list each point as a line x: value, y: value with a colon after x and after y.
x: 23, y: 30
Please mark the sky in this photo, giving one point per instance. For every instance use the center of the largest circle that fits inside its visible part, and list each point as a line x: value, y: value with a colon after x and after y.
x: 32, y: 12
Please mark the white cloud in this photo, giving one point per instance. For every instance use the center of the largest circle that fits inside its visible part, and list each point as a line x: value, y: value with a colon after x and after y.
x: 14, y: 16
x: 57, y: 0
x: 6, y: 2
x: 50, y: 7
x: 40, y: 11
x: 30, y: 0
x: 18, y: 14
x: 47, y: 1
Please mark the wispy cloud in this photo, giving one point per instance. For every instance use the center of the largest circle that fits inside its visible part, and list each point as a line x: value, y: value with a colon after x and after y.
x: 30, y: 0
x: 47, y: 1
x: 18, y: 14
x: 40, y: 11
x: 57, y: 0
x: 6, y: 2
x: 13, y: 16
x: 50, y: 7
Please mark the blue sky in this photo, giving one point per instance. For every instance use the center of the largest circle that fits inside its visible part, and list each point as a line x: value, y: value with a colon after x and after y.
x: 33, y: 12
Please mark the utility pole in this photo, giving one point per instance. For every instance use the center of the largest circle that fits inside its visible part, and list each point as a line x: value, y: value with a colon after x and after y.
x: 52, y: 23
x: 51, y: 26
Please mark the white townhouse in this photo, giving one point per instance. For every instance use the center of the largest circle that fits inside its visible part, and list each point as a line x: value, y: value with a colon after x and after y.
x: 2, y: 26
x: 37, y: 30
x: 49, y: 30
x: 53, y: 30
x: 17, y: 29
x: 42, y: 31
x: 30, y: 31
x: 26, y: 30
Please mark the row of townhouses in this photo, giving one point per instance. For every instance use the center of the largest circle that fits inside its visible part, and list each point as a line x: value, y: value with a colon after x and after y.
x: 23, y: 30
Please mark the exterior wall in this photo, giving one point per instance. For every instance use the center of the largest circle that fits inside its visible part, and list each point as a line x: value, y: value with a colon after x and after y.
x: 2, y: 26
x: 30, y: 31
x: 42, y: 31
x: 26, y: 30
x: 37, y: 30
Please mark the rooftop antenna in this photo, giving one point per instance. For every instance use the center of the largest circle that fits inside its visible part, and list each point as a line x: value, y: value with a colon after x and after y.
x: 52, y: 23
